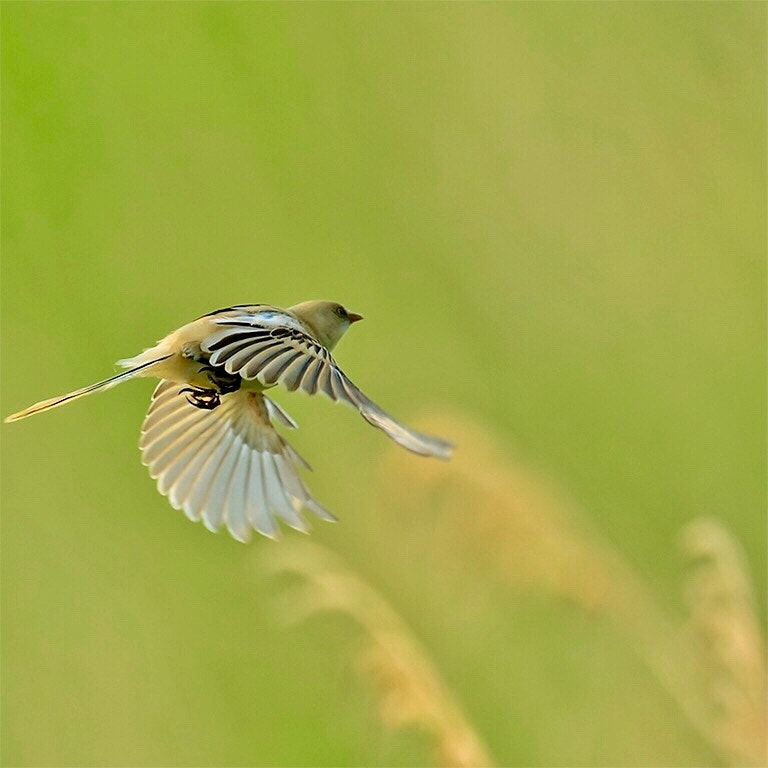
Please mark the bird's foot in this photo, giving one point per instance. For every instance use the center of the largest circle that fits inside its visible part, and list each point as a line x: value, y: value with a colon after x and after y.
x: 207, y: 399
x: 224, y: 383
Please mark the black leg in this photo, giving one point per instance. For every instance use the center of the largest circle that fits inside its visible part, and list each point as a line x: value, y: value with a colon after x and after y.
x: 223, y: 382
x: 207, y: 399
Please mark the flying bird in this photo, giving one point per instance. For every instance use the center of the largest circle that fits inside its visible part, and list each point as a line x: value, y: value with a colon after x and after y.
x: 209, y: 437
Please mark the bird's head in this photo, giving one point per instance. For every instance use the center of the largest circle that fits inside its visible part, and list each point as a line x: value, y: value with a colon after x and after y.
x: 327, y: 320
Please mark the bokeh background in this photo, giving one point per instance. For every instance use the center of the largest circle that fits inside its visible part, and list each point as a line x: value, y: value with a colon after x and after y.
x: 552, y: 216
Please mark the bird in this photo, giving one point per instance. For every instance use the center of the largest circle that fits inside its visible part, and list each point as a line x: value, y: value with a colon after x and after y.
x: 209, y: 438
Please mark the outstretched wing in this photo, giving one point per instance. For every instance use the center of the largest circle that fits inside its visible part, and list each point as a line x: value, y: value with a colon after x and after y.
x: 227, y: 466
x: 273, y: 348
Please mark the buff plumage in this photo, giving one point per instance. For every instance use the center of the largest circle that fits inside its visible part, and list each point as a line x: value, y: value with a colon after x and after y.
x: 209, y: 437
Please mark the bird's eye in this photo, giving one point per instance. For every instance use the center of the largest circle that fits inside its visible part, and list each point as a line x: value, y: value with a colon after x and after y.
x: 341, y: 312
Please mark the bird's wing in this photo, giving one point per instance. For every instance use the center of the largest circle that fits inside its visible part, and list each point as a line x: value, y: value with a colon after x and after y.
x: 274, y: 348
x: 227, y: 466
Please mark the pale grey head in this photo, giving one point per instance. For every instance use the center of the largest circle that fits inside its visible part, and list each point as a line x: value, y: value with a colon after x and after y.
x: 328, y: 321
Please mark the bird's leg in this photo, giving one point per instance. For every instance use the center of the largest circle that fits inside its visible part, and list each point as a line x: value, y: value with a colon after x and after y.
x: 207, y: 399
x: 223, y: 382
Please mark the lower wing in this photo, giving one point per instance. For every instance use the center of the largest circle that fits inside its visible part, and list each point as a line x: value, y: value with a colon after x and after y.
x: 226, y: 466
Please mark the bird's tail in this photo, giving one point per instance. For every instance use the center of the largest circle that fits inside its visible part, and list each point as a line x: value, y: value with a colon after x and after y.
x: 53, y: 402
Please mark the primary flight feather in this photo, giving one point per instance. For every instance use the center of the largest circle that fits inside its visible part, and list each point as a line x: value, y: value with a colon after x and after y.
x: 209, y: 437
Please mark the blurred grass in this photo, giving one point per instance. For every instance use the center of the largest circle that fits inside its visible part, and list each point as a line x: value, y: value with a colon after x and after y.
x: 553, y: 218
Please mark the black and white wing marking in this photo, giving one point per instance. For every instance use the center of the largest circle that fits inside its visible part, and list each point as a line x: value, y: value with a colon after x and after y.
x: 274, y: 348
x: 227, y: 466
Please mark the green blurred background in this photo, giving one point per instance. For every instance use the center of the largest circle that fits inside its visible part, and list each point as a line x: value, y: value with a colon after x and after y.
x: 553, y: 219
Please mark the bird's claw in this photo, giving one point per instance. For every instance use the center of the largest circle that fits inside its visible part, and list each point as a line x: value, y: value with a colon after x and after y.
x: 207, y: 399
x: 222, y: 383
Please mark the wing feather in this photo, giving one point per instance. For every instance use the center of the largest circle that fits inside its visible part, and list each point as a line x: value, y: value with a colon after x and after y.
x: 234, y: 510
x: 170, y: 465
x: 227, y: 466
x: 312, y: 378
x: 258, y: 508
x: 273, y: 348
x: 186, y: 466
x: 278, y: 498
x: 213, y: 467
x: 220, y: 488
x: 236, y: 356
x: 278, y: 414
x: 272, y: 372
x: 227, y: 338
x: 254, y: 366
x: 190, y: 463
x: 293, y: 375
x: 162, y: 450
x: 324, y: 382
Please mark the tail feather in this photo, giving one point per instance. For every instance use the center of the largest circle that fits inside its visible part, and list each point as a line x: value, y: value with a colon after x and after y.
x: 54, y: 402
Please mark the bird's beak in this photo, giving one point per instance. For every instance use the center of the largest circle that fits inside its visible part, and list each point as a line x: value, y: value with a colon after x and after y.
x: 353, y: 317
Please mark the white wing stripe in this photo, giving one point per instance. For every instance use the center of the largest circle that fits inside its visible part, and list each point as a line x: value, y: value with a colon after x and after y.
x: 264, y: 502
x: 197, y: 445
x: 278, y: 501
x: 160, y: 409
x: 158, y: 419
x: 213, y: 515
x: 260, y: 320
x: 258, y: 514
x: 290, y: 503
x: 194, y: 480
x: 157, y: 441
x: 163, y: 449
x: 208, y: 473
x: 197, y: 452
x: 237, y: 522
